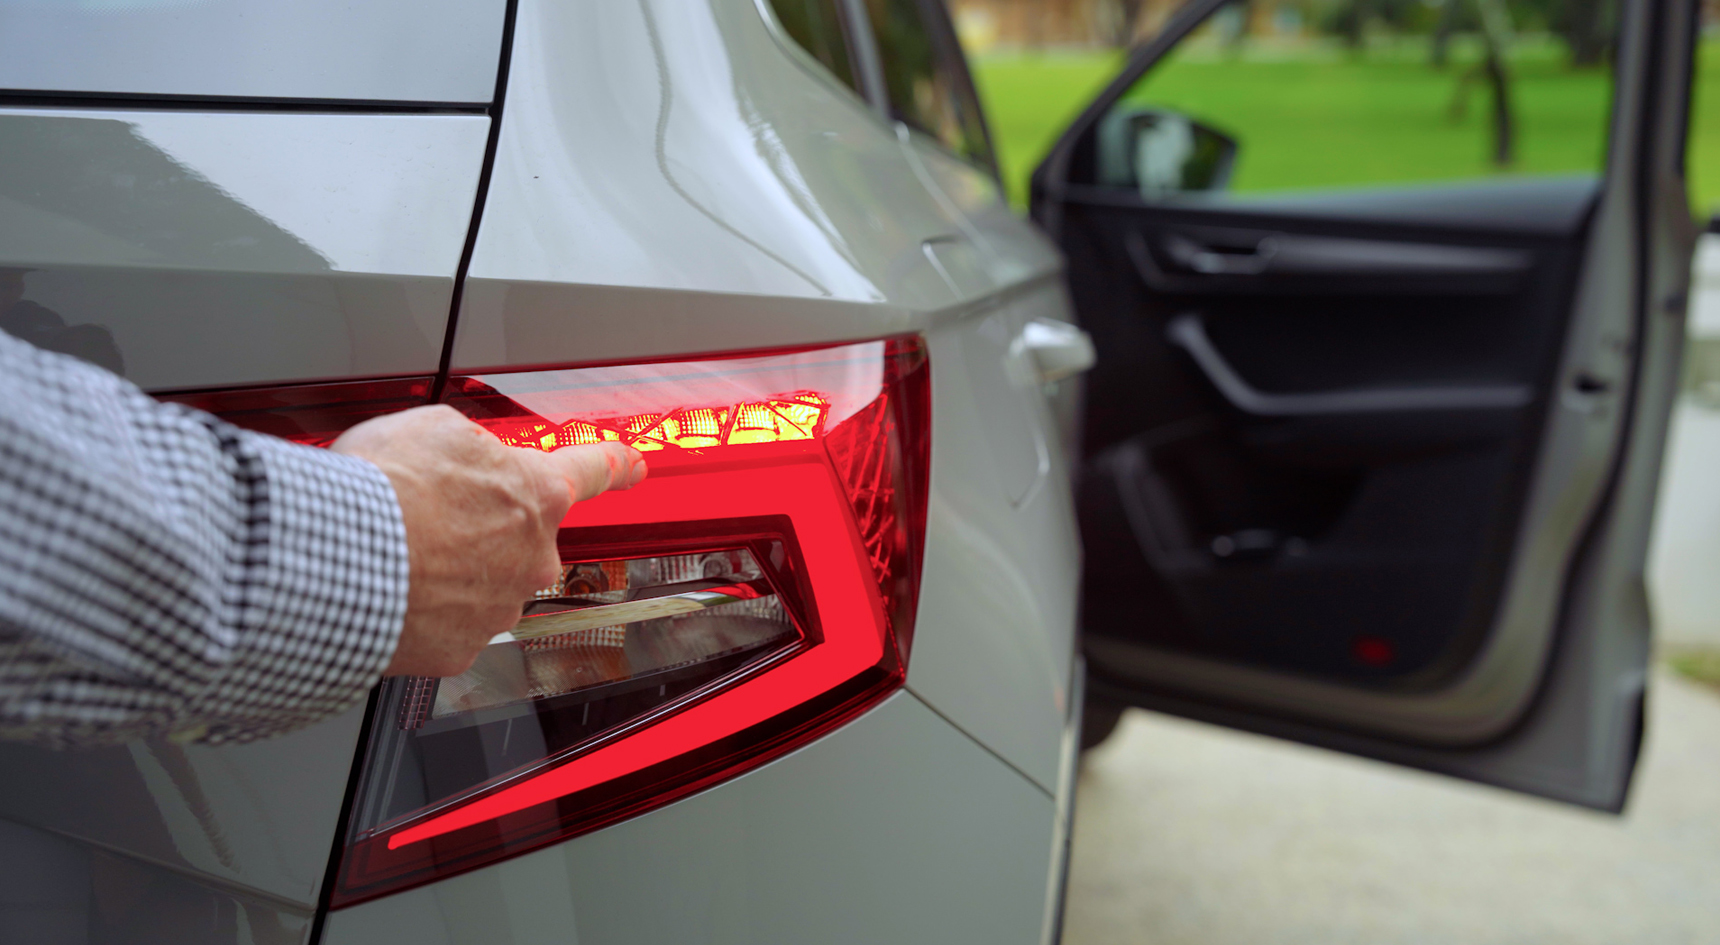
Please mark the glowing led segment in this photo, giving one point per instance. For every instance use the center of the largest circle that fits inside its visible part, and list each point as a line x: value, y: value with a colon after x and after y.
x: 798, y: 416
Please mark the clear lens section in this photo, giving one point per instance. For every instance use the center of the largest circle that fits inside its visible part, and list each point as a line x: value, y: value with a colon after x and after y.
x: 623, y: 619
x: 616, y: 640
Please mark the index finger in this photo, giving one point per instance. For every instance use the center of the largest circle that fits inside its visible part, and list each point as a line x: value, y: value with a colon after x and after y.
x: 597, y: 468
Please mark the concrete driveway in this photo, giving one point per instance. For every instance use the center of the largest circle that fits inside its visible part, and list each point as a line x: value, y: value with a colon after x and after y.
x: 1191, y: 834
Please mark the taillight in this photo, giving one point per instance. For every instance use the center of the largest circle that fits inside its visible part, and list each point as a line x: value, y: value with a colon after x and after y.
x: 313, y: 414
x: 756, y: 590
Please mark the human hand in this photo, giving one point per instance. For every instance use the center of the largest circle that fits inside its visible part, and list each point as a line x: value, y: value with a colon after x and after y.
x: 481, y: 520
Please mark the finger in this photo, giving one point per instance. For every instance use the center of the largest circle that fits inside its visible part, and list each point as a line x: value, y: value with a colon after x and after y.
x: 422, y: 424
x: 547, y: 571
x: 592, y: 470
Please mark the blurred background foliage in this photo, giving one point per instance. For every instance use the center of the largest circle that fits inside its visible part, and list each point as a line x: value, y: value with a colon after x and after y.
x: 1327, y: 93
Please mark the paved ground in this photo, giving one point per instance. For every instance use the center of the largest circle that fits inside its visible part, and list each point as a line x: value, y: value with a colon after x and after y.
x: 1684, y: 561
x: 1192, y: 835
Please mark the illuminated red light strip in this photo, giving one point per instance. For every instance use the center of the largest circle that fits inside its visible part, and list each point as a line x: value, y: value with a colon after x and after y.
x: 531, y: 434
x: 801, y: 484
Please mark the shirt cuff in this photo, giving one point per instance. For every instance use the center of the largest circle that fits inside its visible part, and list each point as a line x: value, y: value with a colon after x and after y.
x: 322, y: 593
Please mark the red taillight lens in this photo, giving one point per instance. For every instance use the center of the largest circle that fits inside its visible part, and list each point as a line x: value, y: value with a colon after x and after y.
x: 313, y: 414
x: 755, y: 591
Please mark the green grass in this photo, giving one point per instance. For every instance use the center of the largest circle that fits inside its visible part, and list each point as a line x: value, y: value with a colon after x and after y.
x: 1322, y: 117
x: 1701, y: 665
x: 1028, y: 101
x: 1702, y: 160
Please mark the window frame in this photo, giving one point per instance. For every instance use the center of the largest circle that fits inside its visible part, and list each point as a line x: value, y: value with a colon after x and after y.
x: 867, y: 61
x: 947, y: 45
x: 857, y: 53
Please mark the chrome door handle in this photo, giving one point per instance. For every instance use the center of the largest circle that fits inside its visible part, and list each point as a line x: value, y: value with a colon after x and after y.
x: 1059, y: 350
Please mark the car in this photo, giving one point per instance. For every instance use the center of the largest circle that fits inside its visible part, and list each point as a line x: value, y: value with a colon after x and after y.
x: 1368, y: 467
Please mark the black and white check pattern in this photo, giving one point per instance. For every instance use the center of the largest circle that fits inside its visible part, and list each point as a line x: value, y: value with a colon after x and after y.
x: 163, y: 572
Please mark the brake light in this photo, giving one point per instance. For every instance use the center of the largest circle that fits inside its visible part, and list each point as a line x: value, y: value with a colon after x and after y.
x: 313, y: 414
x: 755, y: 591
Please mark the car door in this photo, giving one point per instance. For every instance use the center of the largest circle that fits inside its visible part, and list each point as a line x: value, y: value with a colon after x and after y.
x: 1371, y: 465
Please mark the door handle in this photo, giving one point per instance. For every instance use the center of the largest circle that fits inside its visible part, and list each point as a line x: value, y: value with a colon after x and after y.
x: 1058, y: 349
x: 1212, y: 262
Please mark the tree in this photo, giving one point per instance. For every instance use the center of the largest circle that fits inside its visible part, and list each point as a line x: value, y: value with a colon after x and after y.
x: 1127, y: 19
x: 1441, y: 47
x: 1587, y: 26
x: 1496, y: 40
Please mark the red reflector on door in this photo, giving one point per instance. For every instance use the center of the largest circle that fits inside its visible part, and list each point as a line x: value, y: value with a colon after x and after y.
x: 755, y: 591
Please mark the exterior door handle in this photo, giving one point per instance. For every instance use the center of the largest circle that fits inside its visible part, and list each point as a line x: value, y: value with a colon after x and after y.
x: 1058, y: 349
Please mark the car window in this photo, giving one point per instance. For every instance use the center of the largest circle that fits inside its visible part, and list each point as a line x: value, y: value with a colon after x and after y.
x: 1258, y: 106
x: 1702, y: 174
x: 816, y: 25
x: 1702, y: 142
x: 926, y: 77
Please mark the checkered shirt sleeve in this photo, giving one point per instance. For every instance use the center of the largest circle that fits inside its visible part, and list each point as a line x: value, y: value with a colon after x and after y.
x: 163, y: 572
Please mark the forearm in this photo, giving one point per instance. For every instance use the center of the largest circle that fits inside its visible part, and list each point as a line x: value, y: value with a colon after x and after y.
x: 161, y: 571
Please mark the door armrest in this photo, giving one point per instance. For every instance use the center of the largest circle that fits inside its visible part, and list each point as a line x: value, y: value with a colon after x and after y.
x: 1187, y: 332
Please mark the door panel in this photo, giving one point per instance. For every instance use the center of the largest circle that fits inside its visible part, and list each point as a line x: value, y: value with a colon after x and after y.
x: 1277, y: 395
x: 1347, y: 450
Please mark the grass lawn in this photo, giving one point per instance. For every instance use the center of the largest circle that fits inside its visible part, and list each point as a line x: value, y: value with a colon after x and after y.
x: 1323, y: 117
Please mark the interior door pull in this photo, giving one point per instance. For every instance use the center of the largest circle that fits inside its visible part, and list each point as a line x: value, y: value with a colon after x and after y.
x: 1188, y: 333
x: 1212, y: 262
x: 1190, y: 259
x: 1059, y: 349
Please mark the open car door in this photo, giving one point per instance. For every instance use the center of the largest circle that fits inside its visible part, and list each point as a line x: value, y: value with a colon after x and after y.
x: 1372, y: 466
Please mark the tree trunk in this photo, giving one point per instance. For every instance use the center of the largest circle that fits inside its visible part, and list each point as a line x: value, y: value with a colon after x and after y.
x: 1499, y: 79
x: 1496, y: 33
x: 1354, y: 19
x: 1244, y: 11
x: 1128, y: 18
x: 1442, y: 34
x: 1496, y: 40
x: 1588, y: 31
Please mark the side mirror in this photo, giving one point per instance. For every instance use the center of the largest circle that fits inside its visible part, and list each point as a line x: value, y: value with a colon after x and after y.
x: 1162, y: 153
